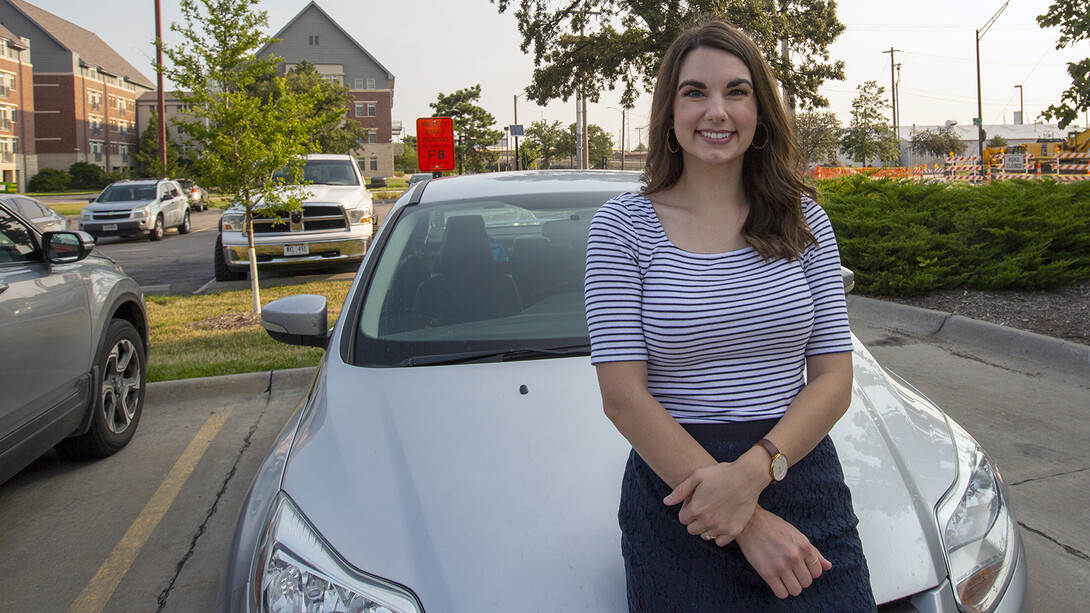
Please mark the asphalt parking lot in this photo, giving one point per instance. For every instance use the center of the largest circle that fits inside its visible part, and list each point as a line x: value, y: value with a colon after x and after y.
x: 147, y: 528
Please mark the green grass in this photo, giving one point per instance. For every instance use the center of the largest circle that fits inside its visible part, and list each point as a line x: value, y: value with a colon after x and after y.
x: 186, y: 343
x: 69, y: 210
x: 903, y: 238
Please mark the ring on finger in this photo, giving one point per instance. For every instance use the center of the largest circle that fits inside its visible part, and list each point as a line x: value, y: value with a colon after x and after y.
x: 707, y: 536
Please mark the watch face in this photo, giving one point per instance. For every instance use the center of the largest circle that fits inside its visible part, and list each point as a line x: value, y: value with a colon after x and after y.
x: 779, y: 467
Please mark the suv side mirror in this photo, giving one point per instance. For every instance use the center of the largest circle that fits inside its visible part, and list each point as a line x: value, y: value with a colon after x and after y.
x: 67, y: 247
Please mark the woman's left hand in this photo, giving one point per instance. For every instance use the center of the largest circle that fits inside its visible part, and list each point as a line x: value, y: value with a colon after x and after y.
x: 718, y: 501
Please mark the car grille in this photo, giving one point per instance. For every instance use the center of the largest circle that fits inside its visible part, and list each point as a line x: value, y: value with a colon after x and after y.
x: 109, y: 215
x: 313, y: 218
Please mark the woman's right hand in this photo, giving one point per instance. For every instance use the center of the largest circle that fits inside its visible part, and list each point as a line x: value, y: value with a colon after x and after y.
x: 781, y: 554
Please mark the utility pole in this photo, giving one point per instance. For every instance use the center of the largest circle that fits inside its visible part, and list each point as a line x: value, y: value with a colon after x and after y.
x: 518, y: 155
x: 893, y: 97
x: 161, y: 103
x: 1021, y: 107
x: 979, y: 100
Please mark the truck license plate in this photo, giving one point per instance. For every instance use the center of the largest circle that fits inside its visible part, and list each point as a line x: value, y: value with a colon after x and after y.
x: 110, y: 227
x: 296, y: 250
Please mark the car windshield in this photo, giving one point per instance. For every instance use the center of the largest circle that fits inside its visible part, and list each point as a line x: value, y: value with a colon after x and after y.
x: 325, y: 172
x: 127, y: 193
x: 479, y: 279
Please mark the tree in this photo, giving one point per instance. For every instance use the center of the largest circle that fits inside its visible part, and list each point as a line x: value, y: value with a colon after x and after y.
x: 939, y: 142
x: 869, y: 136
x: 594, y: 44
x: 244, y: 138
x: 473, y: 133
x: 548, y: 138
x: 337, y: 133
x: 406, y: 162
x: 599, y: 145
x: 1073, y: 18
x: 996, y: 142
x: 50, y: 180
x: 819, y: 135
x: 147, y: 163
x: 87, y: 176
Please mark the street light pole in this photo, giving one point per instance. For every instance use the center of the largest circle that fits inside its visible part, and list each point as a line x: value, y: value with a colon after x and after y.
x: 1021, y: 107
x: 979, y: 99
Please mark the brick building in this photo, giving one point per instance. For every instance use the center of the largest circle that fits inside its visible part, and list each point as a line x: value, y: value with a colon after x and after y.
x: 17, y: 159
x: 84, y: 92
x: 314, y: 36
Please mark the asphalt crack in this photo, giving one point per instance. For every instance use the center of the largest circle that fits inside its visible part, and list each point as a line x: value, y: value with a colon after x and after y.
x: 161, y: 599
x: 1068, y: 548
x: 1060, y: 474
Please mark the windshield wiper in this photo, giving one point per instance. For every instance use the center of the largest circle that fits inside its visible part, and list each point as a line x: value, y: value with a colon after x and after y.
x: 494, y: 355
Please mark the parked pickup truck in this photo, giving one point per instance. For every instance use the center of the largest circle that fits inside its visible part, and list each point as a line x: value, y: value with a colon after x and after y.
x: 334, y: 226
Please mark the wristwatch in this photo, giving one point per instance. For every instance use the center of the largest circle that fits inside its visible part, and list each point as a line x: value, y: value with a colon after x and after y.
x: 778, y: 469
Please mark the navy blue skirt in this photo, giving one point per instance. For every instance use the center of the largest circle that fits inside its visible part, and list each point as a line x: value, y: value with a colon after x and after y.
x: 668, y: 569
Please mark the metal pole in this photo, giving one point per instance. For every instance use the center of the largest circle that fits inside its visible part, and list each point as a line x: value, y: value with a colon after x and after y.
x: 161, y: 101
x: 979, y: 111
x: 622, y: 139
x: 1021, y: 107
x: 518, y: 156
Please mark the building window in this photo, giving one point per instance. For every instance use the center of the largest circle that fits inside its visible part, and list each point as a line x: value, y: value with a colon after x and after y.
x: 360, y: 109
x: 372, y: 136
x: 373, y: 163
x: 332, y: 78
x: 358, y: 84
x: 370, y: 84
x: 372, y: 109
x: 312, y: 40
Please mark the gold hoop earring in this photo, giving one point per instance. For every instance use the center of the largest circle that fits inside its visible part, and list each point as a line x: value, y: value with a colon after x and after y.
x: 670, y: 131
x: 754, y: 142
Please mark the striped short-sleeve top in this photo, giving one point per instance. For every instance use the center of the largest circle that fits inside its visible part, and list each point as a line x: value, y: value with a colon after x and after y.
x: 725, y: 336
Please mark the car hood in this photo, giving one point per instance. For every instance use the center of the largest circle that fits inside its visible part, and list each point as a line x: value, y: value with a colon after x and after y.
x: 348, y: 195
x: 495, y: 486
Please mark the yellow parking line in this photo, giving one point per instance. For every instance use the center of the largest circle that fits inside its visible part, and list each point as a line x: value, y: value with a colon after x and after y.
x: 97, y: 593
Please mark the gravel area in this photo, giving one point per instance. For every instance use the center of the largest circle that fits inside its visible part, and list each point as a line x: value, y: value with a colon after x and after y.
x: 1063, y: 313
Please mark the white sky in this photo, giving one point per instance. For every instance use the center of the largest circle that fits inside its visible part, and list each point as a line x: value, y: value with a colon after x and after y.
x: 434, y: 46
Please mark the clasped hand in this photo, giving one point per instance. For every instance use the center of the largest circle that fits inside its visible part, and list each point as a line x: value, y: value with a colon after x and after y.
x: 719, y: 502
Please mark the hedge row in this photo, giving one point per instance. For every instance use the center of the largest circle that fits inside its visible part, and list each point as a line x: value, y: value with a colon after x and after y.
x: 904, y: 239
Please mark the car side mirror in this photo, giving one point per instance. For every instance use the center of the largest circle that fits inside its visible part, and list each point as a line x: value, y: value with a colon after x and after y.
x: 67, y: 247
x: 297, y: 320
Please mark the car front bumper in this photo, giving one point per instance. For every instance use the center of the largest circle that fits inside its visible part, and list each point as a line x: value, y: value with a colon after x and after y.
x: 116, y: 228
x: 287, y: 251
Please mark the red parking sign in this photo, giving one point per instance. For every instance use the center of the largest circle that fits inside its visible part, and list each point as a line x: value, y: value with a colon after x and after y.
x: 434, y: 144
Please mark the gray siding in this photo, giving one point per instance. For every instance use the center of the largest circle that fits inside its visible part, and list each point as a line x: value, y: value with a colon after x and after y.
x: 48, y: 55
x: 334, y: 47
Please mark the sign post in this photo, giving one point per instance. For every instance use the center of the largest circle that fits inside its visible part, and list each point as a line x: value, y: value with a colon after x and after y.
x: 435, y: 144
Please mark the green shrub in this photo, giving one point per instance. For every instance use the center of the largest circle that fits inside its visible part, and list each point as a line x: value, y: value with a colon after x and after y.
x: 87, y: 176
x: 905, y: 238
x: 50, y: 180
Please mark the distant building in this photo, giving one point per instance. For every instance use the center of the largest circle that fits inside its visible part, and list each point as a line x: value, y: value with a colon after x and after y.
x: 18, y: 161
x: 315, y: 37
x: 84, y: 92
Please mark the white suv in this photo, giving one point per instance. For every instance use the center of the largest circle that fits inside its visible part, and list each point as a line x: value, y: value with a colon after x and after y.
x: 334, y: 226
x: 129, y: 208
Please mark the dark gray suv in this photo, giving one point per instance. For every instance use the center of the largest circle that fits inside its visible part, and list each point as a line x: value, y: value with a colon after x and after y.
x: 73, y: 347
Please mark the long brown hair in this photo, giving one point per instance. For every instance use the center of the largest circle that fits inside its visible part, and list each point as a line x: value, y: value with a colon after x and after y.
x: 771, y: 175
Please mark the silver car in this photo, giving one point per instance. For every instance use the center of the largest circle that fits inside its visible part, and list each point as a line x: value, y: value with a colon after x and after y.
x: 133, y: 208
x: 452, y: 454
x: 37, y: 213
x: 73, y: 347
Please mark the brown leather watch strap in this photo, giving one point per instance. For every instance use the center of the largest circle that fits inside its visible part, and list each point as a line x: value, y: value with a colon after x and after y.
x: 770, y: 447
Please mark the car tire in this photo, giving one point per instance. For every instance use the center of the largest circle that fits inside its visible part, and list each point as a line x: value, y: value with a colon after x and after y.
x: 223, y: 273
x: 158, y: 230
x: 187, y: 224
x: 122, y: 372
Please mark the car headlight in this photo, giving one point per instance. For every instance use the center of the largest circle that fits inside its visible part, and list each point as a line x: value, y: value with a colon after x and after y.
x: 86, y: 215
x: 360, y: 215
x: 233, y: 221
x: 140, y: 212
x: 296, y: 570
x: 978, y: 528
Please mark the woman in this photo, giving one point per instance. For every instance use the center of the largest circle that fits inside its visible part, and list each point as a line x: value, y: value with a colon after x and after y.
x: 720, y: 337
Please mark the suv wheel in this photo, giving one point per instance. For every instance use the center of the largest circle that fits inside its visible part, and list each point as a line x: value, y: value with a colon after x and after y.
x: 223, y: 273
x: 158, y: 231
x: 122, y: 372
x: 186, y: 224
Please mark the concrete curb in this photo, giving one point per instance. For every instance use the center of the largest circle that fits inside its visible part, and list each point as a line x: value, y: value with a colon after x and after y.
x: 1037, y: 348
x: 227, y: 387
